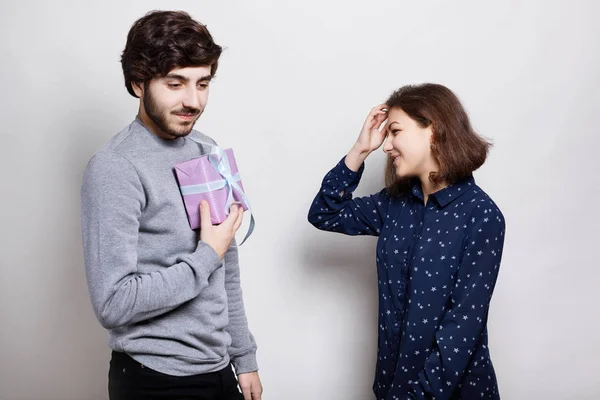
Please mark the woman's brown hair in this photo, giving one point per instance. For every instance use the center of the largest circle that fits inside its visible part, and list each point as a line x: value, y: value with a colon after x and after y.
x: 457, y: 148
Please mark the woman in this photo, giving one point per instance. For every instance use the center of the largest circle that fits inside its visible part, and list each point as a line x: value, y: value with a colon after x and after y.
x: 439, y: 248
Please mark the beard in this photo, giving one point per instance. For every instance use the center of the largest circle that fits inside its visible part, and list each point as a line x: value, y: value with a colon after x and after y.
x: 161, y: 117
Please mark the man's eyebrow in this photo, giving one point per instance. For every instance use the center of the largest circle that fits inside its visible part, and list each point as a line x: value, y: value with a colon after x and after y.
x: 206, y: 78
x: 177, y: 76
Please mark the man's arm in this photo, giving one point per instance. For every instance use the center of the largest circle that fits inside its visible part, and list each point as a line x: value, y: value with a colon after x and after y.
x: 243, y: 346
x: 112, y: 200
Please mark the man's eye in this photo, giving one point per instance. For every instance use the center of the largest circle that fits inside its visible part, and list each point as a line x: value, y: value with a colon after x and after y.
x: 203, y: 85
x: 174, y: 85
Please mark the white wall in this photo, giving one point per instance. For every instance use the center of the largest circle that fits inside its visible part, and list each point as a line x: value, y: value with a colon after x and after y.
x: 294, y: 86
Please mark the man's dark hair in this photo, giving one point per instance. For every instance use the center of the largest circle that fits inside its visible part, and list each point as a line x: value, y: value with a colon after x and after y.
x: 163, y: 40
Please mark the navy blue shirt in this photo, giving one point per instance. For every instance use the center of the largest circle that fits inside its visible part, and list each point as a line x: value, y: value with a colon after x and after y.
x: 437, y: 265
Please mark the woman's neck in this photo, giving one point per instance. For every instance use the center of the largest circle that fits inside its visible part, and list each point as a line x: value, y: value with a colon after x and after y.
x: 428, y: 187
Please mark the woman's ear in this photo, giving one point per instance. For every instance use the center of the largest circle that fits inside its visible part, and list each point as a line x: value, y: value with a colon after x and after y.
x: 431, y: 134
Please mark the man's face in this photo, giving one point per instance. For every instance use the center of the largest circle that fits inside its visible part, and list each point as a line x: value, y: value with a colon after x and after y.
x: 172, y: 104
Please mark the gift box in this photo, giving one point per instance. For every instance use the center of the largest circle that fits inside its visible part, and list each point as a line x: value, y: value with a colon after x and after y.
x: 214, y: 178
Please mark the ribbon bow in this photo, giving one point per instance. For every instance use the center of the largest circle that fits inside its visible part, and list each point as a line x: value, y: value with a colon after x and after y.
x: 220, y: 162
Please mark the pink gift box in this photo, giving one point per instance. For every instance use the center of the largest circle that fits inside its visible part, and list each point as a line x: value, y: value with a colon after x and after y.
x: 199, y: 180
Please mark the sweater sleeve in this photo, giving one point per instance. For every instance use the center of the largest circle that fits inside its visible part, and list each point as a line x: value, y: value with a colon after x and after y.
x: 242, y: 350
x: 112, y: 200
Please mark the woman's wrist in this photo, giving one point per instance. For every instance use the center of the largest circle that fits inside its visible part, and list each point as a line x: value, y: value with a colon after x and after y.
x: 355, y: 158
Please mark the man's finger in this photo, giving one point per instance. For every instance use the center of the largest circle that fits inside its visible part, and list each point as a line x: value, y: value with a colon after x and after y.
x: 232, y: 217
x: 204, y: 215
x: 238, y: 221
x: 247, y: 393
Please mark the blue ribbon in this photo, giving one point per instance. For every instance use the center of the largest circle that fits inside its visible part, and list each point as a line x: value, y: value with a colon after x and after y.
x: 220, y: 162
x: 207, y: 187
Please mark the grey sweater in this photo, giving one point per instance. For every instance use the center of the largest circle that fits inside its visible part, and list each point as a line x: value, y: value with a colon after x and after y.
x: 165, y: 297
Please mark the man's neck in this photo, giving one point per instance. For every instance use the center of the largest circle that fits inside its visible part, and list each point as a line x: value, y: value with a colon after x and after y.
x: 151, y: 126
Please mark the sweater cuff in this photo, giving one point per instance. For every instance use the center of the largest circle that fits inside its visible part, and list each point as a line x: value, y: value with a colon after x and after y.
x: 245, y: 363
x: 204, y: 259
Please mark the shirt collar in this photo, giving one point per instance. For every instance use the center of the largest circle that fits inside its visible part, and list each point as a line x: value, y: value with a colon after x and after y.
x: 448, y: 194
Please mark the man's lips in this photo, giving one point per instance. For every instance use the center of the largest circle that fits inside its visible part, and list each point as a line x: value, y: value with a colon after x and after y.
x: 186, y: 116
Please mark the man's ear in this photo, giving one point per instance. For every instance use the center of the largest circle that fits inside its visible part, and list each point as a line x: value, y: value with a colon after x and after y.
x: 138, y: 89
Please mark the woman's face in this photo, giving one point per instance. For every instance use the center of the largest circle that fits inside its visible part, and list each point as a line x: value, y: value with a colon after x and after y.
x: 409, y: 145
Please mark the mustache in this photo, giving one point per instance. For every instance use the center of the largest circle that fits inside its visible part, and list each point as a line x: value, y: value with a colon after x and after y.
x: 188, y: 111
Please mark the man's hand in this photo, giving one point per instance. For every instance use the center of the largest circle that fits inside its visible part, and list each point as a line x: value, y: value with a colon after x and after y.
x: 219, y: 237
x: 251, y: 386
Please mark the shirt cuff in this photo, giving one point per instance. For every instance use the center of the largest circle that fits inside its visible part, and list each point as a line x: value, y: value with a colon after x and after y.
x: 341, y: 180
x: 344, y: 170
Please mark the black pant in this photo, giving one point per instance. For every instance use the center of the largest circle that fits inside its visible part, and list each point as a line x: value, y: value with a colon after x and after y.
x: 130, y: 380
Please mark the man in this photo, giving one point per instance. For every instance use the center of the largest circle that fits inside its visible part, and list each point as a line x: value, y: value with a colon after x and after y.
x: 169, y: 296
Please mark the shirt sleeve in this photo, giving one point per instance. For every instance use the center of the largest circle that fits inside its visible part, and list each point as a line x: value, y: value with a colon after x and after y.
x: 112, y: 200
x: 464, y: 323
x: 334, y: 208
